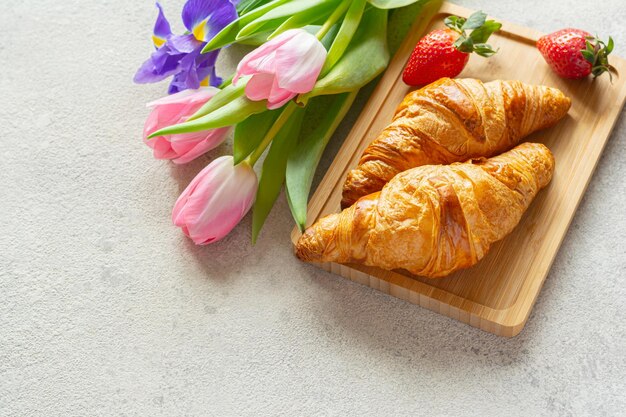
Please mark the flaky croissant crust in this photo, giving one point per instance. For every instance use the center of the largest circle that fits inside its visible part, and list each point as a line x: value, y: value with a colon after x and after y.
x: 453, y: 120
x: 435, y: 219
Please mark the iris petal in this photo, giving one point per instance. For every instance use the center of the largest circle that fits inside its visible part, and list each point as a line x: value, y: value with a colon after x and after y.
x: 184, y: 79
x: 179, y: 55
x: 205, y: 18
x: 162, y: 28
x: 183, y: 43
x: 159, y: 66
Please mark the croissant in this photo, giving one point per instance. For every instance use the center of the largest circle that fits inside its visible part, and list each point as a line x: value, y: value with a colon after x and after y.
x: 452, y: 121
x: 434, y: 219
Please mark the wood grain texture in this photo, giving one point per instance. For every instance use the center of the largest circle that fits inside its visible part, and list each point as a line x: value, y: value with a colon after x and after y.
x: 498, y: 293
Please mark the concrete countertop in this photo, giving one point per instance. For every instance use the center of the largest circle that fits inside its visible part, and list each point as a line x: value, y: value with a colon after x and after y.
x: 107, y: 309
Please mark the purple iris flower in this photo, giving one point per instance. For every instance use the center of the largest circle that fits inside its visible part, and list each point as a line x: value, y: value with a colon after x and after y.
x: 179, y: 55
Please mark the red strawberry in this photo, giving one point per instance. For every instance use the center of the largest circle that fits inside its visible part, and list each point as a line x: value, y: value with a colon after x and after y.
x: 574, y: 53
x: 445, y: 52
x: 434, y: 57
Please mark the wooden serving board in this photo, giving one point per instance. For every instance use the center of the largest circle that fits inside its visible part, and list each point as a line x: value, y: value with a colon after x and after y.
x: 498, y: 293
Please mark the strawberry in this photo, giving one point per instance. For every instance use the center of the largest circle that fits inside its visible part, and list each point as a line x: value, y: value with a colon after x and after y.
x: 445, y: 52
x: 574, y: 53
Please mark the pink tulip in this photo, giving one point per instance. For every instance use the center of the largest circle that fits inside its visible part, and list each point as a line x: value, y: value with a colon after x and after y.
x: 177, y: 108
x: 283, y: 67
x: 216, y: 200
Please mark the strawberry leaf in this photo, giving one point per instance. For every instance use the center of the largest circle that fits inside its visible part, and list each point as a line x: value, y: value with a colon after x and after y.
x: 597, y: 52
x: 464, y: 44
x: 476, y: 20
x: 482, y: 34
x: 484, y: 49
x: 455, y: 23
x: 476, y: 41
x: 610, y: 45
x: 588, y: 55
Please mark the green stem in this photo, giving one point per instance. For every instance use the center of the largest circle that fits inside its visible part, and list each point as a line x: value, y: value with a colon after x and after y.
x: 280, y: 122
x: 332, y: 19
x: 228, y: 81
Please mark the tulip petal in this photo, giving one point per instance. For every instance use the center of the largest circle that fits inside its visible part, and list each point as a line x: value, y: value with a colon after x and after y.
x: 230, y: 203
x: 177, y: 108
x: 216, y: 200
x: 283, y: 67
x: 204, y: 203
x: 298, y: 63
x: 162, y: 148
x: 180, y: 209
x: 201, y: 95
x: 213, y: 139
x: 278, y: 96
x: 259, y: 87
x: 258, y: 61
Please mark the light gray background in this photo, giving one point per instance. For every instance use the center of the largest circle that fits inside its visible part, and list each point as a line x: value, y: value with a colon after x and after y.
x: 106, y: 309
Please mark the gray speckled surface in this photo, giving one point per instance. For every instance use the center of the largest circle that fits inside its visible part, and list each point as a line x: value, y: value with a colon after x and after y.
x: 106, y: 309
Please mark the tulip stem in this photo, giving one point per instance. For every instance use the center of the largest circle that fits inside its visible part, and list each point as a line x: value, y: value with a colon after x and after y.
x: 332, y: 19
x: 226, y: 82
x: 269, y: 136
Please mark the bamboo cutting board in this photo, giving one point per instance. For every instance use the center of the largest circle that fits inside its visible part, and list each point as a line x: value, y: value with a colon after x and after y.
x: 498, y: 293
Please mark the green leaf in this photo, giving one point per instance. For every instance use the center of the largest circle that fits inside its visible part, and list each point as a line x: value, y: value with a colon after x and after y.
x: 250, y: 132
x: 228, y: 115
x: 246, y: 6
x: 344, y: 36
x: 455, y: 23
x: 223, y: 97
x: 609, y: 46
x: 273, y: 171
x: 476, y: 20
x: 275, y: 17
x: 484, y: 50
x: 464, y: 44
x: 414, y: 17
x: 255, y: 40
x: 304, y: 159
x: 482, y: 34
x: 328, y: 39
x: 390, y: 4
x: 588, y: 55
x: 365, y: 58
x: 264, y: 27
x: 227, y: 35
x: 303, y: 19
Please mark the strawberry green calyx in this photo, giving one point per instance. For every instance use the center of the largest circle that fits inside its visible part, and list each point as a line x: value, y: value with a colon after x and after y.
x: 481, y: 30
x: 597, y: 52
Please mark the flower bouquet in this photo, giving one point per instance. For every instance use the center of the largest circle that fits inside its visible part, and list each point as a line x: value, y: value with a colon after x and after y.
x: 284, y: 101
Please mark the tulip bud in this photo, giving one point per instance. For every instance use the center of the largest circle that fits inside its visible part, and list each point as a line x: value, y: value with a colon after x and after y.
x: 283, y: 67
x: 215, y: 200
x: 174, y: 109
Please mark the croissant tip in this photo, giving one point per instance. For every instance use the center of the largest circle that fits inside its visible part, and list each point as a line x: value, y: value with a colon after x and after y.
x: 304, y: 249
